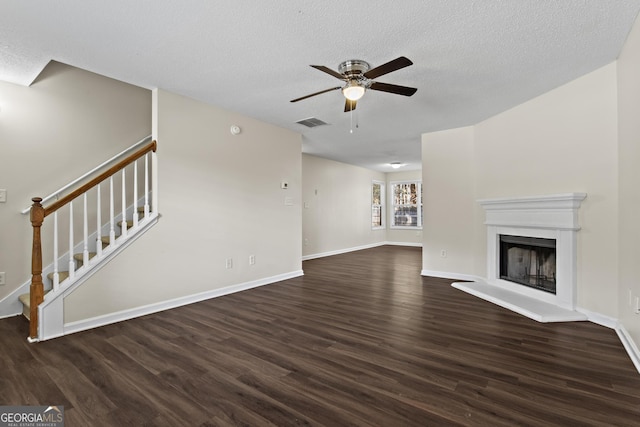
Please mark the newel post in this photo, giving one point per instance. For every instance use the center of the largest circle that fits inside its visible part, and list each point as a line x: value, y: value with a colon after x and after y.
x: 37, y: 288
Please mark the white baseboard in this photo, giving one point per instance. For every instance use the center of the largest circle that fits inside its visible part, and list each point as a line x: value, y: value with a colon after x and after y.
x: 411, y: 244
x: 342, y: 251
x: 450, y: 275
x: 629, y: 345
x: 94, y: 322
x: 599, y: 319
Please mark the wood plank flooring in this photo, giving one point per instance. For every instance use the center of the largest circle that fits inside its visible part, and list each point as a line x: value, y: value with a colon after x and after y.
x: 360, y: 340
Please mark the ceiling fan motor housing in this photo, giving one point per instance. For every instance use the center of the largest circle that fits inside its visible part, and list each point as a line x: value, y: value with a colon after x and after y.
x: 354, y: 69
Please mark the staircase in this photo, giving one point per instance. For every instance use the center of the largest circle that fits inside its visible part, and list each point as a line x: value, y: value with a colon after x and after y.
x: 43, y: 305
x: 78, y: 259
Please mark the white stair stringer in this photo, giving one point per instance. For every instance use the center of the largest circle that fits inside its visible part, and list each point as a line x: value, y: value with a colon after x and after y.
x: 51, y: 310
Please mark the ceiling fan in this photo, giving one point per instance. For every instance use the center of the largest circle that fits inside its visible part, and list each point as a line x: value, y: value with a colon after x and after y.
x: 358, y: 77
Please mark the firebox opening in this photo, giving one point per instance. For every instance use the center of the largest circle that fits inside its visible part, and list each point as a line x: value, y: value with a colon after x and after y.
x: 529, y: 261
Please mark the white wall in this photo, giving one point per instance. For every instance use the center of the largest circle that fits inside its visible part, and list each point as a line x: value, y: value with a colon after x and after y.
x: 629, y: 181
x: 338, y: 216
x: 449, y: 203
x: 67, y: 122
x: 220, y: 198
x: 563, y: 141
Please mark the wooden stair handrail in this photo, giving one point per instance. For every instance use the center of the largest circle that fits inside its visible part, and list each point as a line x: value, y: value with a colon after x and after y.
x: 152, y: 146
x: 37, y: 215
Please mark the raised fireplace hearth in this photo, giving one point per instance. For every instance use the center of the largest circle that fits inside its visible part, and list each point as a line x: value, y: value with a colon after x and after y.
x: 532, y: 255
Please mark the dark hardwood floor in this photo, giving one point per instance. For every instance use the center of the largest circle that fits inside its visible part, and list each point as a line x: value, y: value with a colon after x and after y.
x: 360, y: 340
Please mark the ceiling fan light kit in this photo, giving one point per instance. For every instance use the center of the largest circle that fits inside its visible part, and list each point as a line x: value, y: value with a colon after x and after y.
x: 353, y: 90
x: 358, y: 77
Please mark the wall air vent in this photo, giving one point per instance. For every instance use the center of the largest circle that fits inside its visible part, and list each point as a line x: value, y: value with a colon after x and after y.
x: 311, y: 122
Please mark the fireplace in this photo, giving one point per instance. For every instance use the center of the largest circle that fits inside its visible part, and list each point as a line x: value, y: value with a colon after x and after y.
x: 528, y: 261
x: 532, y: 247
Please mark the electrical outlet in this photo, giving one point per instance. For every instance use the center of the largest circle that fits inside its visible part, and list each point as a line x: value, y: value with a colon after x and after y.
x: 3, y: 195
x: 637, y: 310
x: 252, y: 259
x: 2, y: 278
x: 229, y: 263
x: 443, y: 253
x: 306, y: 242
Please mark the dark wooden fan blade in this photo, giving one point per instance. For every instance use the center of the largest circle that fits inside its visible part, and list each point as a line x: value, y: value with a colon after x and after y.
x: 399, y: 90
x: 349, y: 105
x: 390, y: 66
x: 329, y: 71
x: 314, y: 94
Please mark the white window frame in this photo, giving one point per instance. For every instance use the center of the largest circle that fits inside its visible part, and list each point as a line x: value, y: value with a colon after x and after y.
x: 392, y: 205
x: 381, y: 206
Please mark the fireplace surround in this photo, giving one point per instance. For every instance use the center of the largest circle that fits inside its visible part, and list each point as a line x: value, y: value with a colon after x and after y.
x: 551, y: 217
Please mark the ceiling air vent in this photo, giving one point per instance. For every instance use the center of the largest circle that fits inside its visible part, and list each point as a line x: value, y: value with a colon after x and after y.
x: 311, y: 122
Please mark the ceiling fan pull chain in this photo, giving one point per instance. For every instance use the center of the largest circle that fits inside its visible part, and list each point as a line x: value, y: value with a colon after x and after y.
x: 351, y: 121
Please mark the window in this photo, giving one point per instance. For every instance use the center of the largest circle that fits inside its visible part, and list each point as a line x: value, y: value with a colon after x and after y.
x: 377, y: 204
x: 406, y: 200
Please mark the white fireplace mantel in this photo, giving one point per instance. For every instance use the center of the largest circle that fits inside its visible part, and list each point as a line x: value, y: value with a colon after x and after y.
x: 552, y: 217
x: 556, y: 211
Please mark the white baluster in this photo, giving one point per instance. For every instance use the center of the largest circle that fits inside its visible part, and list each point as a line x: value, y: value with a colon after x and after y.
x: 154, y: 182
x: 146, y: 185
x: 123, y: 222
x: 112, y: 230
x: 72, y: 269
x: 135, y: 194
x: 99, y: 224
x: 85, y: 229
x: 56, y: 275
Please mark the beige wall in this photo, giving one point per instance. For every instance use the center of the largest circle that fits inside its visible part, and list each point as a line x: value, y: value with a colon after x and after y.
x: 67, y: 122
x: 629, y: 180
x: 220, y: 198
x: 449, y: 202
x: 563, y: 141
x: 338, y: 216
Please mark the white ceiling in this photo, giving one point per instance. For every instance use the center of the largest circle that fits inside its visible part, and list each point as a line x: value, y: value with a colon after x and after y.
x: 472, y: 58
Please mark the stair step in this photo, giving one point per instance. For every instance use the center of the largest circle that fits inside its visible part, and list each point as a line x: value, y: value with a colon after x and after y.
x: 106, y: 241
x: 80, y: 258
x: 62, y: 276
x: 129, y: 224
x: 25, y: 299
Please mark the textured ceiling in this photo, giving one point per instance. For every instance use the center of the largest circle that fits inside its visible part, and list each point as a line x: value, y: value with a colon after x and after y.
x: 472, y: 58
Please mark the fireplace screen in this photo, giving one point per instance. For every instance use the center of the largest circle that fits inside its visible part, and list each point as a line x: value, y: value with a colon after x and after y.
x: 529, y: 261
